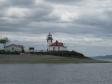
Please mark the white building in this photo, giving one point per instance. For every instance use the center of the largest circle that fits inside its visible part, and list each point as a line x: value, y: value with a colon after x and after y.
x: 14, y: 48
x: 1, y: 47
x: 55, y: 46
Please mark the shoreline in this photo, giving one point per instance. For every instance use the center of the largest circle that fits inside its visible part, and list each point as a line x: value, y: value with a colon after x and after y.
x: 44, y: 59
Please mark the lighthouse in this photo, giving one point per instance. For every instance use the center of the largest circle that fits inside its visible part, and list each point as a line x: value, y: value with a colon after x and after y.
x: 54, y: 46
x: 49, y: 40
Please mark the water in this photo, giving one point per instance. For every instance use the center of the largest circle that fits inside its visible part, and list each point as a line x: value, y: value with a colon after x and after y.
x: 56, y: 73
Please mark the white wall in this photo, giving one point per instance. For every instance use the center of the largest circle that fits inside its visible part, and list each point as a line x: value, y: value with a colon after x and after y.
x: 49, y: 42
x: 56, y: 48
x: 13, y: 49
x: 1, y: 47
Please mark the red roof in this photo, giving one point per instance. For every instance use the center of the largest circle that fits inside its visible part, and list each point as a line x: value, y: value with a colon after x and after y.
x: 57, y: 43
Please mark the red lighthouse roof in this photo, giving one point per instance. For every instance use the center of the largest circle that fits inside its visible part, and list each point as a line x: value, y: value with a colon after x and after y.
x: 57, y: 43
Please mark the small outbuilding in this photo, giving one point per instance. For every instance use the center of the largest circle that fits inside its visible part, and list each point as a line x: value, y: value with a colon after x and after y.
x: 31, y: 49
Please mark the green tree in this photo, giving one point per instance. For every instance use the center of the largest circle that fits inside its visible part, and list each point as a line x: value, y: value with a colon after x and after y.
x: 4, y: 41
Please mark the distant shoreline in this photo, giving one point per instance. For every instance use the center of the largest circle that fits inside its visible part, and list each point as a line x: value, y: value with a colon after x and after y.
x: 36, y: 59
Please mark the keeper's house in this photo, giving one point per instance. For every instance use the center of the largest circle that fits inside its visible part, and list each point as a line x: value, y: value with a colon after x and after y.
x: 14, y: 48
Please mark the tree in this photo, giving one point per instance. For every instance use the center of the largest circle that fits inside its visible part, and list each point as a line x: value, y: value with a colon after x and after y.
x: 4, y: 41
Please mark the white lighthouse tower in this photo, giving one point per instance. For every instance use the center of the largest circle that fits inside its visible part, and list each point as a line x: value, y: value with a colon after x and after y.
x: 49, y: 40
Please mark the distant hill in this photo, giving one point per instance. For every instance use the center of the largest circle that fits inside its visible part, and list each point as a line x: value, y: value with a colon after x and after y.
x: 106, y: 57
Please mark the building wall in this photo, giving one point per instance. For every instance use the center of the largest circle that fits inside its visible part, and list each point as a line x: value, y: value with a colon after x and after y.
x: 56, y: 48
x: 49, y: 42
x: 1, y: 47
x: 62, y: 48
x: 13, y: 49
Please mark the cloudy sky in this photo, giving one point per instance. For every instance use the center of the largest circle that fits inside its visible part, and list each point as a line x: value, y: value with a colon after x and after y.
x: 83, y: 25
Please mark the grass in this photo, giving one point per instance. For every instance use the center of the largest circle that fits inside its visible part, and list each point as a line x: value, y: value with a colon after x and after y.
x: 34, y: 59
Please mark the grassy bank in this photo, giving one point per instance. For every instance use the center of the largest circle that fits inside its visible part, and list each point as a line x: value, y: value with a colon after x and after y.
x: 26, y: 58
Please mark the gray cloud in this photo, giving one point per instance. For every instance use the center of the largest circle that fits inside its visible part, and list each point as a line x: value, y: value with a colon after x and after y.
x: 21, y: 3
x: 65, y: 1
x: 95, y: 23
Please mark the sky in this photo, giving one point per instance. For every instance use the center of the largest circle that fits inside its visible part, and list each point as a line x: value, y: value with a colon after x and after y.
x: 83, y: 25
